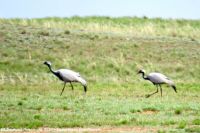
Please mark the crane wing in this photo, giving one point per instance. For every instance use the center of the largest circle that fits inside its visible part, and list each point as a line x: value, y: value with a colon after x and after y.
x: 68, y: 75
x: 158, y: 78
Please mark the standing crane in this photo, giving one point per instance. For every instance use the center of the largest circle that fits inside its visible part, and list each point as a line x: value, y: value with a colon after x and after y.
x: 157, y: 79
x: 67, y: 76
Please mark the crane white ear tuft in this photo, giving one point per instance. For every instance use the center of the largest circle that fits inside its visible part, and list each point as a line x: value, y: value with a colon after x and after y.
x: 141, y: 71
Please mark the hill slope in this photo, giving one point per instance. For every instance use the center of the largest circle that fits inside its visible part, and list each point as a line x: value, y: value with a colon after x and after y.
x: 107, y: 52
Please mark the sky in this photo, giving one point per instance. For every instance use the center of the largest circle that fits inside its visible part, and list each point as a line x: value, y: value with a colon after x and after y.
x: 181, y: 9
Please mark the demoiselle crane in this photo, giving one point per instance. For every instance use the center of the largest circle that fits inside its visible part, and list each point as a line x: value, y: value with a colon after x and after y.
x: 157, y: 79
x: 67, y: 76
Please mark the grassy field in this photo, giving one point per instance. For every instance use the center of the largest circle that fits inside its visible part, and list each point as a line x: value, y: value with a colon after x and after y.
x: 107, y: 52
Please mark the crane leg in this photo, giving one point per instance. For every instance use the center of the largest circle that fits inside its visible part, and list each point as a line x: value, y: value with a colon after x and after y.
x: 71, y: 85
x: 63, y: 89
x: 147, y: 96
x: 160, y: 90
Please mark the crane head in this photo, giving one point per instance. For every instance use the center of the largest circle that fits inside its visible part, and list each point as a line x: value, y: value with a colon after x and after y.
x: 141, y: 71
x: 48, y: 63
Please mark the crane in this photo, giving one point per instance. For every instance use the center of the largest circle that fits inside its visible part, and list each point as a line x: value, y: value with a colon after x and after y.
x: 67, y: 76
x: 157, y: 79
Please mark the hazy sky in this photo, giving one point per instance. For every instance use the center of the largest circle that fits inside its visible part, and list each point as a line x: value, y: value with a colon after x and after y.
x: 189, y: 9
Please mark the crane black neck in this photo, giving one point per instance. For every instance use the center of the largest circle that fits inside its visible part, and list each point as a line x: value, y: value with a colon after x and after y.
x: 51, y: 69
x: 144, y: 77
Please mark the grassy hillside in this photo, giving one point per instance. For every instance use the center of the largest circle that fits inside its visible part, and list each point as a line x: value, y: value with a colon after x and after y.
x: 108, y: 52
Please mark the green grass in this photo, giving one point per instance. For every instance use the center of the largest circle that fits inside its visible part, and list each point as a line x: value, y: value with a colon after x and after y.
x: 107, y: 52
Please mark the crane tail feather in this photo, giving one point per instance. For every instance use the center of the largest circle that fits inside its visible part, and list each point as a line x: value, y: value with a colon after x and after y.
x: 83, y: 82
x: 85, y: 89
x: 174, y: 87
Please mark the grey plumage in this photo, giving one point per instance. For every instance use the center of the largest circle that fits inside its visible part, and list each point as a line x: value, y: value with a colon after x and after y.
x: 157, y: 79
x: 67, y: 76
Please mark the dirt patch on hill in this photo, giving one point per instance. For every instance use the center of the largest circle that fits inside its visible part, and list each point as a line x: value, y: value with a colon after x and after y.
x: 91, y: 130
x: 149, y: 112
x: 1, y: 37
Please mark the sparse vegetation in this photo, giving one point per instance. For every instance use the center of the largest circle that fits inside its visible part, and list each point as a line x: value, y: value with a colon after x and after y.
x: 107, y: 52
x: 178, y: 111
x: 196, y: 122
